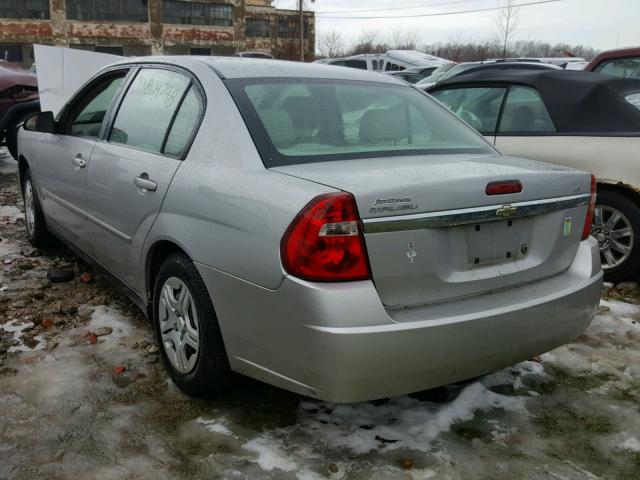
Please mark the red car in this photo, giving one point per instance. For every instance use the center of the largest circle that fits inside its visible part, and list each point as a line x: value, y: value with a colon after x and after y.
x: 622, y: 62
x: 18, y: 99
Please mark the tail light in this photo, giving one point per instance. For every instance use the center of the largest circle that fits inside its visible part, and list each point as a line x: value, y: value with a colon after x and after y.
x: 325, y: 242
x: 592, y: 205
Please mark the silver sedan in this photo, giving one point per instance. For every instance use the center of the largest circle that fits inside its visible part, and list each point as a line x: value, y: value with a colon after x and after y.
x: 331, y: 231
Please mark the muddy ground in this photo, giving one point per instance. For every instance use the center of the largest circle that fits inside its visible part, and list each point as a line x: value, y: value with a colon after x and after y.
x: 83, y: 395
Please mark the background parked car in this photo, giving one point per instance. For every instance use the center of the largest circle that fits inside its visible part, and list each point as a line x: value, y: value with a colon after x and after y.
x: 586, y: 121
x: 623, y: 62
x: 468, y: 67
x: 391, y: 61
x: 18, y: 100
x: 409, y: 77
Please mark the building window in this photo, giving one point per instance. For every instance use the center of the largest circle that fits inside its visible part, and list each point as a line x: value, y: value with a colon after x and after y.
x: 197, y: 13
x: 108, y: 10
x: 291, y: 28
x: 109, y: 49
x: 201, y: 51
x: 11, y: 53
x: 258, y: 27
x: 35, y: 9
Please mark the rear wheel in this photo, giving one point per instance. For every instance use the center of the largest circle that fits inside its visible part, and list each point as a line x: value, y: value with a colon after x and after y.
x: 616, y: 227
x: 37, y: 231
x: 187, y: 329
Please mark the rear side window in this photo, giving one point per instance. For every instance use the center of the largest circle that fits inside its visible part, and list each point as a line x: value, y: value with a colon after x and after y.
x: 479, y: 107
x: 148, y: 108
x: 620, y: 67
x: 525, y: 112
x: 184, y: 125
x: 310, y: 120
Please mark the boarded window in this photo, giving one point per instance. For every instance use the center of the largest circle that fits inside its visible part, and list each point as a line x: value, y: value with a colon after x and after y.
x: 35, y: 9
x: 197, y: 13
x: 108, y: 10
x: 109, y: 49
x: 11, y: 53
x: 258, y: 27
x: 291, y: 28
x: 200, y: 51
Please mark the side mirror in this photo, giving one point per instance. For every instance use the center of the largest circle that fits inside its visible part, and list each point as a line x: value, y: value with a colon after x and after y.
x: 42, y: 122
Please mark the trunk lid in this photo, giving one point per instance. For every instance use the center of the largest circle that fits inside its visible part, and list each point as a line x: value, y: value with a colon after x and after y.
x: 433, y: 234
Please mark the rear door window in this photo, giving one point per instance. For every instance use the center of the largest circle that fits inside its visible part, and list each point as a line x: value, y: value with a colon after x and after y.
x: 525, y: 112
x: 147, y: 111
x: 478, y: 106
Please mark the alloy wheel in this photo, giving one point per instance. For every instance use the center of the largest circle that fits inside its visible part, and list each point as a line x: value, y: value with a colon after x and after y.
x: 614, y: 234
x: 179, y: 326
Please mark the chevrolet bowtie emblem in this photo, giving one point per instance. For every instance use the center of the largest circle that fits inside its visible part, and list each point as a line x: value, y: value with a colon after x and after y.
x: 506, y: 211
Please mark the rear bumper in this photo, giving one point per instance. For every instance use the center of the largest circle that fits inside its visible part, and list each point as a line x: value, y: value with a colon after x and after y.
x: 337, y: 342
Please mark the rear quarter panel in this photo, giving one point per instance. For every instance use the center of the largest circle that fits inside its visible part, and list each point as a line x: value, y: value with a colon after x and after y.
x: 610, y: 159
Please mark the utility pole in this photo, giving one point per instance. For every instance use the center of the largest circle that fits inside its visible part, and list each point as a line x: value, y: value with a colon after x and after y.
x: 300, y: 3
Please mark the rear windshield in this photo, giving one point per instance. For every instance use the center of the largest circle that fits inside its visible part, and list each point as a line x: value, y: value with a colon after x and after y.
x: 309, y: 120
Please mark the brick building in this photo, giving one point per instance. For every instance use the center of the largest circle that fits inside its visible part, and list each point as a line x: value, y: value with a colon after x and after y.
x: 153, y: 27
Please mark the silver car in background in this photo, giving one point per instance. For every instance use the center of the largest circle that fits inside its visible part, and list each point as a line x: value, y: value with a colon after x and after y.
x: 330, y: 231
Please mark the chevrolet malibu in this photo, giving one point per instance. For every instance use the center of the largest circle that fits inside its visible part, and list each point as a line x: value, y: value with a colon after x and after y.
x: 330, y: 231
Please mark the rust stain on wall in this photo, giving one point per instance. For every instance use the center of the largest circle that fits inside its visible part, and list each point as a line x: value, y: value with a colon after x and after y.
x: 151, y: 37
x: 108, y: 30
x: 25, y: 29
x: 199, y: 35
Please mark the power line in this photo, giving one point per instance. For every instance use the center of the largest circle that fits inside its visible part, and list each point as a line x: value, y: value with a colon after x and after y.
x: 411, y: 7
x: 539, y: 2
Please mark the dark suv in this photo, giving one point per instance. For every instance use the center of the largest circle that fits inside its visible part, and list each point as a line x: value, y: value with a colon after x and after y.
x: 18, y: 99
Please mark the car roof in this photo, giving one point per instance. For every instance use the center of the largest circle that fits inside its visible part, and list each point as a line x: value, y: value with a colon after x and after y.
x: 578, y: 102
x: 238, y: 67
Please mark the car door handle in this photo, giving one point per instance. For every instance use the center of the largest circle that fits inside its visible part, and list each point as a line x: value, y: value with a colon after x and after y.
x: 144, y: 183
x: 79, y: 162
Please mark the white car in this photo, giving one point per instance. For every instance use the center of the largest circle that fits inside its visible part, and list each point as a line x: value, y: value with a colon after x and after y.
x: 578, y: 119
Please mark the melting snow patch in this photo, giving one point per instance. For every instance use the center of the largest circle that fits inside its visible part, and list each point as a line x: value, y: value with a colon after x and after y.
x: 13, y: 326
x: 9, y: 212
x: 402, y: 422
x: 631, y: 443
x: 104, y: 316
x: 270, y: 454
x: 215, y: 425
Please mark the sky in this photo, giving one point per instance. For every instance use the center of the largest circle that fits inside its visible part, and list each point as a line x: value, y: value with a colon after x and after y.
x: 601, y: 24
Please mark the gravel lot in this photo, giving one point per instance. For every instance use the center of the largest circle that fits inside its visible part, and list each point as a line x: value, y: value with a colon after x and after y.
x: 69, y: 410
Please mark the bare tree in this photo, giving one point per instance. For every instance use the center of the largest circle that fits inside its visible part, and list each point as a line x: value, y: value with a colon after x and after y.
x: 331, y: 44
x: 506, y: 22
x: 403, y: 39
x: 368, y: 42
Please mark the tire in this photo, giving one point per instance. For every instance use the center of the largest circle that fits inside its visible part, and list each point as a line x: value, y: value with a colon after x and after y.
x: 11, y: 135
x: 35, y: 223
x: 203, y: 372
x: 618, y: 266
